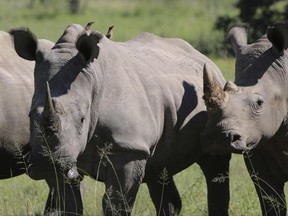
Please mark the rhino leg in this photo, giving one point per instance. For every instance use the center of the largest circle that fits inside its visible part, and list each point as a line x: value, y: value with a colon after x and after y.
x: 64, y: 199
x: 13, y: 165
x: 124, y: 174
x: 10, y: 166
x: 164, y: 194
x: 216, y: 171
x: 268, y: 180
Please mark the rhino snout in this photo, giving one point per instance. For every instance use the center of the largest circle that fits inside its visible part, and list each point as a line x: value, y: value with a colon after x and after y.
x: 237, y: 141
x: 219, y: 141
x: 235, y: 138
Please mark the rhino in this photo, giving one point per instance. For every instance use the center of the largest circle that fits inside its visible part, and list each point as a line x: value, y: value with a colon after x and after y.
x: 16, y: 92
x: 17, y: 86
x: 121, y: 113
x: 249, y: 115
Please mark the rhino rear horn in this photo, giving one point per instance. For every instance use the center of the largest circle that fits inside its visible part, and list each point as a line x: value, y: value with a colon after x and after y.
x: 214, y: 96
x: 231, y: 87
x: 278, y: 36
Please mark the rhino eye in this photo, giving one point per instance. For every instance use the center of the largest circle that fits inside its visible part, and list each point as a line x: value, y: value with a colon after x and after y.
x: 257, y: 100
x: 256, y: 104
x: 82, y: 120
x: 260, y: 102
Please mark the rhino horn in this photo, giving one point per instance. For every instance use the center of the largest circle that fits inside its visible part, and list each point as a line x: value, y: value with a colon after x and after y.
x: 48, y: 105
x: 214, y: 96
x: 231, y: 87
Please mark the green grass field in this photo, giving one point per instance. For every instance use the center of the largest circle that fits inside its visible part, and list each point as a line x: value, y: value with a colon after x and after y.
x: 23, y: 196
x: 190, y: 20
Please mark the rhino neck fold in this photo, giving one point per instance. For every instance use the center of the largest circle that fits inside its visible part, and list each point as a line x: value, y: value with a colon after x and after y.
x: 95, y: 71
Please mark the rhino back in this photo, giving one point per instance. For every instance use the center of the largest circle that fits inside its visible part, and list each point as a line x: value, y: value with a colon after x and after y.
x: 155, y: 85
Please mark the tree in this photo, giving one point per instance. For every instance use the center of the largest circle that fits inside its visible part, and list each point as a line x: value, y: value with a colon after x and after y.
x: 259, y: 14
x: 74, y: 6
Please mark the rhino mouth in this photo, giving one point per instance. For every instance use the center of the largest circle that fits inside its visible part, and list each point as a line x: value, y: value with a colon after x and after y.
x: 251, y: 143
x: 42, y: 168
x: 239, y: 147
x: 239, y: 143
x: 216, y: 143
x: 226, y: 141
x: 236, y: 142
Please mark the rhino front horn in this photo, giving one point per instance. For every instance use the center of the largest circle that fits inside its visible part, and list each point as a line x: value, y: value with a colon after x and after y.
x: 50, y: 116
x: 48, y: 106
x: 214, y: 96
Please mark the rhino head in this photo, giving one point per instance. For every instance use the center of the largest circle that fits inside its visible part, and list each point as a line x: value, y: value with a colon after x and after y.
x: 60, y: 111
x: 250, y: 111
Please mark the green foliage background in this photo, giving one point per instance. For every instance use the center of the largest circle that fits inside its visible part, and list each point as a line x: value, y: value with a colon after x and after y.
x: 191, y: 20
x: 188, y: 19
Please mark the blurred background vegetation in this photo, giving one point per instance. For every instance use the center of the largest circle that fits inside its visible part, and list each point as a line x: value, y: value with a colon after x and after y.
x: 200, y: 22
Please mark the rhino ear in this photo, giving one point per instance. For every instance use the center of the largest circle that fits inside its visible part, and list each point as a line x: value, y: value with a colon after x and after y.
x: 25, y: 43
x: 237, y: 35
x: 278, y: 36
x: 87, y: 45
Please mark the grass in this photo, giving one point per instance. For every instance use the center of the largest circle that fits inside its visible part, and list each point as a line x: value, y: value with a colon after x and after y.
x: 226, y: 65
x: 192, y: 188
x: 190, y: 20
x: 23, y: 196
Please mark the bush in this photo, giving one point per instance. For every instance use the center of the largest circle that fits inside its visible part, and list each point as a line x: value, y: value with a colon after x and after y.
x: 259, y: 14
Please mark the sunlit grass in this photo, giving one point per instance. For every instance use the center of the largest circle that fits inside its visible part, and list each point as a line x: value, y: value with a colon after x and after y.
x: 23, y: 196
x: 226, y: 65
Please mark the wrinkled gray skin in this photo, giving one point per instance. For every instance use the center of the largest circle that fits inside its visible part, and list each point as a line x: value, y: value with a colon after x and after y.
x: 253, y: 115
x: 16, y: 87
x: 122, y: 113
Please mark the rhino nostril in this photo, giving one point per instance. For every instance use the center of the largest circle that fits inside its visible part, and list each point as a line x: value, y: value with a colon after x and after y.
x: 236, y: 137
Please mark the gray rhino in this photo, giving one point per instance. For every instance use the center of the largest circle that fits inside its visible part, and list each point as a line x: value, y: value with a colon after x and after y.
x: 16, y: 84
x: 250, y: 115
x: 16, y: 87
x: 120, y: 112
